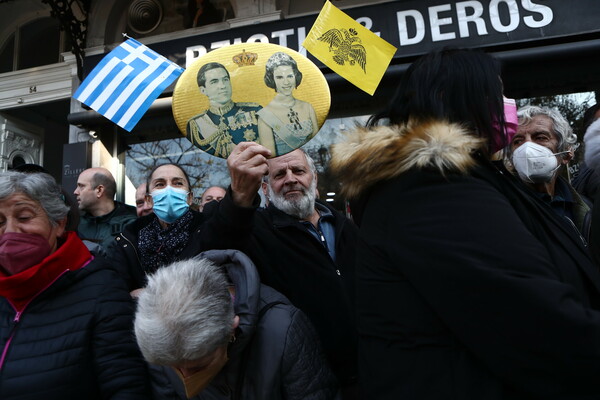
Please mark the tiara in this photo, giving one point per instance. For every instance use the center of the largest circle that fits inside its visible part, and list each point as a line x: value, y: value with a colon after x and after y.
x: 277, y: 58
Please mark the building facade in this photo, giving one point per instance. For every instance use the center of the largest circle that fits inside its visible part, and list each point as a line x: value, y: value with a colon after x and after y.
x: 547, y: 47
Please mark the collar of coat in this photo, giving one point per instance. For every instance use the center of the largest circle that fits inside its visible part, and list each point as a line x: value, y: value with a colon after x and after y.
x: 372, y: 155
x: 20, y: 289
x: 282, y: 219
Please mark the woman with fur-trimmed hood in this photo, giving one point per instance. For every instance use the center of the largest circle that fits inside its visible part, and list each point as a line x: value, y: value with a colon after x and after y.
x: 468, y: 286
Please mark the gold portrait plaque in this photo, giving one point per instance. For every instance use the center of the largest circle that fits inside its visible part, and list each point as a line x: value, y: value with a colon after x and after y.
x: 258, y: 92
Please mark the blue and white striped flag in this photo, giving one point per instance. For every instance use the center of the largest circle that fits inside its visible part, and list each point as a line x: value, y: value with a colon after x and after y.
x: 126, y: 82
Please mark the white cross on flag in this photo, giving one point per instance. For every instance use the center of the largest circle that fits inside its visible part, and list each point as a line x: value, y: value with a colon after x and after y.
x: 126, y: 82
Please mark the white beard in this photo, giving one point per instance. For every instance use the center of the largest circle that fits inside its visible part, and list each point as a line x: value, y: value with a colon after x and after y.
x: 302, y: 207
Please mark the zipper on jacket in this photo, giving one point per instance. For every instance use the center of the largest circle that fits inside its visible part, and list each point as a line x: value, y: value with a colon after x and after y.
x: 326, y: 247
x: 323, y: 241
x: 577, y: 230
x: 134, y: 249
x: 304, y: 229
x: 13, y: 329
x: 19, y: 314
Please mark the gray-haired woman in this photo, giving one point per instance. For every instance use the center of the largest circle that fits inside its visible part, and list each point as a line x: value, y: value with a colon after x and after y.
x: 223, y: 335
x: 65, y: 316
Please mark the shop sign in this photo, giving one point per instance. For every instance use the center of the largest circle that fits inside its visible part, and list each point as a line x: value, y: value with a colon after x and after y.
x: 414, y: 27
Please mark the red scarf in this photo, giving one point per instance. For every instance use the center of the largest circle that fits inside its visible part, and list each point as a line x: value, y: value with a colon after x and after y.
x: 21, y: 288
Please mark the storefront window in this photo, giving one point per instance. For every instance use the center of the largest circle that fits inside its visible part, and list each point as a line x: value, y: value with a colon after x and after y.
x: 34, y: 44
x: 31, y: 53
x: 204, y: 170
x: 7, y: 54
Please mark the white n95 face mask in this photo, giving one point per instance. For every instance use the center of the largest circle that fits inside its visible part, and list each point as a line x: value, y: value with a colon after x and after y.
x: 535, y: 163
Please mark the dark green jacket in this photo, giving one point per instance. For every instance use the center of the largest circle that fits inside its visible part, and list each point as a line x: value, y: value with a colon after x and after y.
x: 103, y: 229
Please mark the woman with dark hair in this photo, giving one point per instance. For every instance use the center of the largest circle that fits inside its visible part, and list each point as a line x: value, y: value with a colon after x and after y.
x: 286, y: 123
x: 173, y: 231
x: 468, y: 286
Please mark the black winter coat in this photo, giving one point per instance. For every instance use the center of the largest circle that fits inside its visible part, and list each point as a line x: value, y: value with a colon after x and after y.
x: 223, y: 226
x: 276, y: 354
x: 468, y: 285
x: 295, y: 263
x: 74, y: 341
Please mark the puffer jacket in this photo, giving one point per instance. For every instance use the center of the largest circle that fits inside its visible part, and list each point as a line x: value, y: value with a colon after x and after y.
x: 276, y: 354
x: 469, y: 286
x: 74, y: 339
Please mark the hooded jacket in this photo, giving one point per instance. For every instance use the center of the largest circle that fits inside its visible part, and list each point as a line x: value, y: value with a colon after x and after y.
x: 468, y: 285
x: 276, y: 354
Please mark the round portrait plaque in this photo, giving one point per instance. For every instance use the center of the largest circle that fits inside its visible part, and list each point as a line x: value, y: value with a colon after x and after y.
x: 257, y: 92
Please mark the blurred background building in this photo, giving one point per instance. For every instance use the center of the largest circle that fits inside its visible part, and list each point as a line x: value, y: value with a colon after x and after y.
x: 548, y: 48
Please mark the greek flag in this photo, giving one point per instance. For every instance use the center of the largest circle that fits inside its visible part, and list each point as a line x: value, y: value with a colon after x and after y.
x: 126, y: 82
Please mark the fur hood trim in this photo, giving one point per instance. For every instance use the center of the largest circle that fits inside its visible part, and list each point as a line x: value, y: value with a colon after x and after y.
x: 368, y: 156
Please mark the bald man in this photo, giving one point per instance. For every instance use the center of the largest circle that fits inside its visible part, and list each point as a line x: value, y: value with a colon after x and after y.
x: 212, y: 193
x: 101, y: 216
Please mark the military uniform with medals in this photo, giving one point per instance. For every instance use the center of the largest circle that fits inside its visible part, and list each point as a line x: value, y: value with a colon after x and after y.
x: 219, y: 129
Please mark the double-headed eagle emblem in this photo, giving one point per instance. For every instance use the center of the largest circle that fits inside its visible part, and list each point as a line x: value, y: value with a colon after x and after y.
x: 346, y: 47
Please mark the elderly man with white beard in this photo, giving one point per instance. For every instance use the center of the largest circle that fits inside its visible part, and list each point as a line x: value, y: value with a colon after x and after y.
x: 305, y: 249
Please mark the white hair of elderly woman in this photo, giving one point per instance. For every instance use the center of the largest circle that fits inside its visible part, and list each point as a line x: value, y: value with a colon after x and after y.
x: 184, y: 313
x: 38, y: 186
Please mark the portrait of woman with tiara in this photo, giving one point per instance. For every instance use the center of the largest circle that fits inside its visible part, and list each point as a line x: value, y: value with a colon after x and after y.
x: 286, y: 123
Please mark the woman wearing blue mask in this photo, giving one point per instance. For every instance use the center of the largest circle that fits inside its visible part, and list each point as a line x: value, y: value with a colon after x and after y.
x: 170, y: 191
x: 171, y: 233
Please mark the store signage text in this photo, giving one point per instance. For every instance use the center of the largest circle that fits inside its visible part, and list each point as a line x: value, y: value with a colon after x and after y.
x: 441, y: 22
x: 414, y: 27
x: 470, y: 14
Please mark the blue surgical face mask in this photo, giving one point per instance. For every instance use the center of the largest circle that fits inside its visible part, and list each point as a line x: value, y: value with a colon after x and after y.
x: 169, y: 203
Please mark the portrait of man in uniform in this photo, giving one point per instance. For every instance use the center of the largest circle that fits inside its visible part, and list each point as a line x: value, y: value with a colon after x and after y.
x: 225, y: 123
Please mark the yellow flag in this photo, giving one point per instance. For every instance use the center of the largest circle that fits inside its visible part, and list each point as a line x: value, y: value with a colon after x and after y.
x: 348, y: 48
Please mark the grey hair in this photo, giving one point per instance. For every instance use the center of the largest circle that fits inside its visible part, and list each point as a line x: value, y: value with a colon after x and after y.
x: 309, y: 161
x: 184, y: 313
x: 562, y: 129
x: 39, y: 187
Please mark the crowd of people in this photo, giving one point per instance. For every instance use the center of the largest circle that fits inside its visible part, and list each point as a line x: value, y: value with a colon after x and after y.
x: 469, y: 268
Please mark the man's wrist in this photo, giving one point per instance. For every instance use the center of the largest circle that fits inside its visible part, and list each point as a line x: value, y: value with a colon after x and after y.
x: 243, y: 200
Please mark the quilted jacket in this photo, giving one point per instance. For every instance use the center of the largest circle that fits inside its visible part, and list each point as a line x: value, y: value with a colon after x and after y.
x: 73, y: 340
